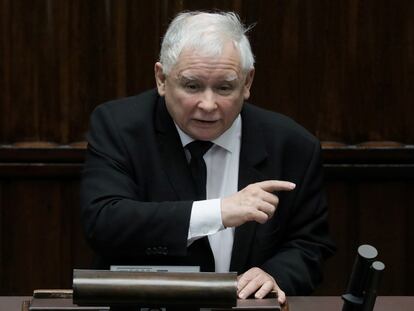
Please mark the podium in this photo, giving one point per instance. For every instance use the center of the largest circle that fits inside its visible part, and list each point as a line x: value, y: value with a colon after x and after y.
x: 101, y: 290
x: 296, y: 303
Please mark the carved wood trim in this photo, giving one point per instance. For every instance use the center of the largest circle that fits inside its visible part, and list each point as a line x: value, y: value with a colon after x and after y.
x: 366, y: 160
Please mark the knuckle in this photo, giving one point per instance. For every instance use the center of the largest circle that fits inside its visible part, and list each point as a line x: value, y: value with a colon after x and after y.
x: 257, y: 282
x: 256, y: 270
x: 249, y: 217
x: 272, y: 208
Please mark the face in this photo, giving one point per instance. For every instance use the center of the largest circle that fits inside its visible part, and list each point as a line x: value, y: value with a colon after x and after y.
x: 204, y: 95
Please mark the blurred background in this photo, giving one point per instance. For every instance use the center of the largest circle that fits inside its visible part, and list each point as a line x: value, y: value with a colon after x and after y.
x: 344, y: 69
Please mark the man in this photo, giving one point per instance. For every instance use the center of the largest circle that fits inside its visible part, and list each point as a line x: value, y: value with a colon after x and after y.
x: 250, y: 202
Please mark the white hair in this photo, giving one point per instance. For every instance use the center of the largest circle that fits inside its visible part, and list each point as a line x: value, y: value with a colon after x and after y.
x: 206, y: 33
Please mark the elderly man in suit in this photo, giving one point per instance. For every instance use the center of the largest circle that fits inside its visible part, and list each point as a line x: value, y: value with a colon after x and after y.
x: 191, y: 174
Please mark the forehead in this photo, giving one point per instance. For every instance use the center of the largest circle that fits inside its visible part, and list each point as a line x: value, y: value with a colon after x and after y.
x: 194, y: 63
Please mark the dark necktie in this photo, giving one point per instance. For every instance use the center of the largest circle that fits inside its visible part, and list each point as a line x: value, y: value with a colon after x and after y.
x: 198, y: 167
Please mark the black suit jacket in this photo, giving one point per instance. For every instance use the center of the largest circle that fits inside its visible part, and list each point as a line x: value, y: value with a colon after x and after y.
x: 137, y: 193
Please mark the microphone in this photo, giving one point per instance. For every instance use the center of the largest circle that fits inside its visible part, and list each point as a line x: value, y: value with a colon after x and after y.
x: 372, y: 285
x: 362, y: 287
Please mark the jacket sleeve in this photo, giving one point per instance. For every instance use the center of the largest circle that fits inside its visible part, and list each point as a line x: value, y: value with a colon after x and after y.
x: 297, y: 263
x: 117, y: 219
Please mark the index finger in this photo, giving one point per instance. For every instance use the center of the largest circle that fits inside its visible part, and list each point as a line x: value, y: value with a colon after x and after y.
x: 276, y: 185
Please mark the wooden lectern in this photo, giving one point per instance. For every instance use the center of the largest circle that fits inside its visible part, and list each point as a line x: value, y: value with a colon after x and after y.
x: 102, y: 290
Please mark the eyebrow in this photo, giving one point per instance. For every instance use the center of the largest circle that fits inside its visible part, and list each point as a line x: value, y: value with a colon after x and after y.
x: 186, y: 77
x: 182, y: 77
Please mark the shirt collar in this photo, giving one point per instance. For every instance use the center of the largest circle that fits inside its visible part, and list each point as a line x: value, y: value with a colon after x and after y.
x: 227, y: 140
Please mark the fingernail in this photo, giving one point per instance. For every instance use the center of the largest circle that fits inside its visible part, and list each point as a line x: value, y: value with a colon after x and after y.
x: 293, y: 185
x: 241, y: 295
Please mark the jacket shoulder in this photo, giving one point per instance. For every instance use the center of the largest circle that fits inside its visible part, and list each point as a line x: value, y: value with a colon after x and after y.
x: 130, y: 107
x: 123, y: 120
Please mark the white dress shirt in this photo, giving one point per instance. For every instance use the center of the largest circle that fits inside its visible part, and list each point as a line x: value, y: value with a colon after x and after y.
x: 222, y: 161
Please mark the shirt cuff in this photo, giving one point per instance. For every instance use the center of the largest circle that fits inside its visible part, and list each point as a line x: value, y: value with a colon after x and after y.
x: 205, y: 219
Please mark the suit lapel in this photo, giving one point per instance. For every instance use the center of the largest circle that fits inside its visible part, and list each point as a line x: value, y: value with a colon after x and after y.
x: 252, y: 153
x: 177, y: 170
x: 172, y: 154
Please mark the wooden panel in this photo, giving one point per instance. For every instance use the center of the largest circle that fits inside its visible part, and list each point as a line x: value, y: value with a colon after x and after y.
x: 377, y: 213
x: 387, y: 227
x: 62, y: 58
x: 343, y: 69
x: 41, y: 235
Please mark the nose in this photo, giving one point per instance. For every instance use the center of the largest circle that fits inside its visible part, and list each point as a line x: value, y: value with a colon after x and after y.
x: 207, y: 101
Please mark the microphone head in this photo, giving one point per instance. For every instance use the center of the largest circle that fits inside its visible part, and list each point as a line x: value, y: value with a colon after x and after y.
x: 367, y: 251
x: 378, y: 266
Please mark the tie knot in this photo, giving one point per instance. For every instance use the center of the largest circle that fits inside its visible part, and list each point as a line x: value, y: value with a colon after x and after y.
x: 198, y: 148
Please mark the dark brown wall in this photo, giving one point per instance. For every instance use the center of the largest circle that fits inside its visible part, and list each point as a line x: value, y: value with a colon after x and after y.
x: 343, y: 69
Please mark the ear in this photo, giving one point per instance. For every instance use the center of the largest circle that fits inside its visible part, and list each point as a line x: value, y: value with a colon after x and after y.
x: 159, y: 78
x: 247, y: 84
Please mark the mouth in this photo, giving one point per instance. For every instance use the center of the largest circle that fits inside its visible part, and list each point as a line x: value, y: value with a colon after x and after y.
x: 205, y: 121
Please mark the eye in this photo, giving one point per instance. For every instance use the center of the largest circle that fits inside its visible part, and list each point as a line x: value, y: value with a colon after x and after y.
x: 225, y: 89
x: 191, y: 87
